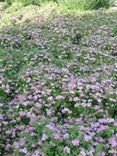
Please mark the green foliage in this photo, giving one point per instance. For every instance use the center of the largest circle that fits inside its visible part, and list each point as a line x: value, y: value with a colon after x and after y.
x: 70, y: 4
x: 78, y: 4
x: 86, y: 4
x: 114, y: 31
x: 103, y: 3
x: 74, y: 84
x: 27, y: 2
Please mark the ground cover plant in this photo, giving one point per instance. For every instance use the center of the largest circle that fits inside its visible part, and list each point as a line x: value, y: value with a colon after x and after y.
x: 58, y: 83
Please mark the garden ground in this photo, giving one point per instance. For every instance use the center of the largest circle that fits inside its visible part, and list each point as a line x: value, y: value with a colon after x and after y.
x: 58, y: 81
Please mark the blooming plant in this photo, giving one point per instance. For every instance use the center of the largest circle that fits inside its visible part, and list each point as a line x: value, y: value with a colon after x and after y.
x: 59, y: 98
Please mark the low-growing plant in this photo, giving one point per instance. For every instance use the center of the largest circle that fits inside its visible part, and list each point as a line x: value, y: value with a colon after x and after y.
x: 58, y: 98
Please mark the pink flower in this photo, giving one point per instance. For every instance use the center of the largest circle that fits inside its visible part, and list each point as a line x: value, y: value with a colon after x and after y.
x: 76, y: 99
x: 78, y: 120
x: 66, y: 110
x: 77, y: 105
x: 75, y: 142
x: 115, y: 124
x: 59, y: 97
x: 33, y: 134
x: 36, y: 153
x: 21, y: 113
x: 71, y: 86
x: 56, y: 135
x: 33, y: 145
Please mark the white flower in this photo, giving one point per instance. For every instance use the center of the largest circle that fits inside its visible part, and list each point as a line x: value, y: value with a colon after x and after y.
x: 66, y: 149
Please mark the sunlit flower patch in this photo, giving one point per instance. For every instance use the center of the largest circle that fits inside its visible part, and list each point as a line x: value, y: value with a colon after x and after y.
x: 59, y: 97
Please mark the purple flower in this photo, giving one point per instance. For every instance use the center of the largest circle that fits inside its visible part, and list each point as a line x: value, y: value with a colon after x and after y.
x: 36, y: 153
x: 1, y: 117
x: 22, y: 142
x: 77, y: 105
x: 113, y: 142
x: 115, y: 124
x: 71, y: 86
x: 82, y: 153
x: 24, y: 150
x: 75, y: 142
x: 38, y: 105
x: 78, y: 120
x: 56, y: 136
x: 39, y: 142
x: 16, y: 144
x: 101, y: 154
x: 87, y: 137
x: 21, y: 98
x: 66, y: 149
x: 44, y: 137
x: 66, y: 110
x: 66, y: 136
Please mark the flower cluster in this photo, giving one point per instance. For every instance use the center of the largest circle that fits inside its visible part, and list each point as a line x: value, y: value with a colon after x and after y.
x: 60, y: 96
